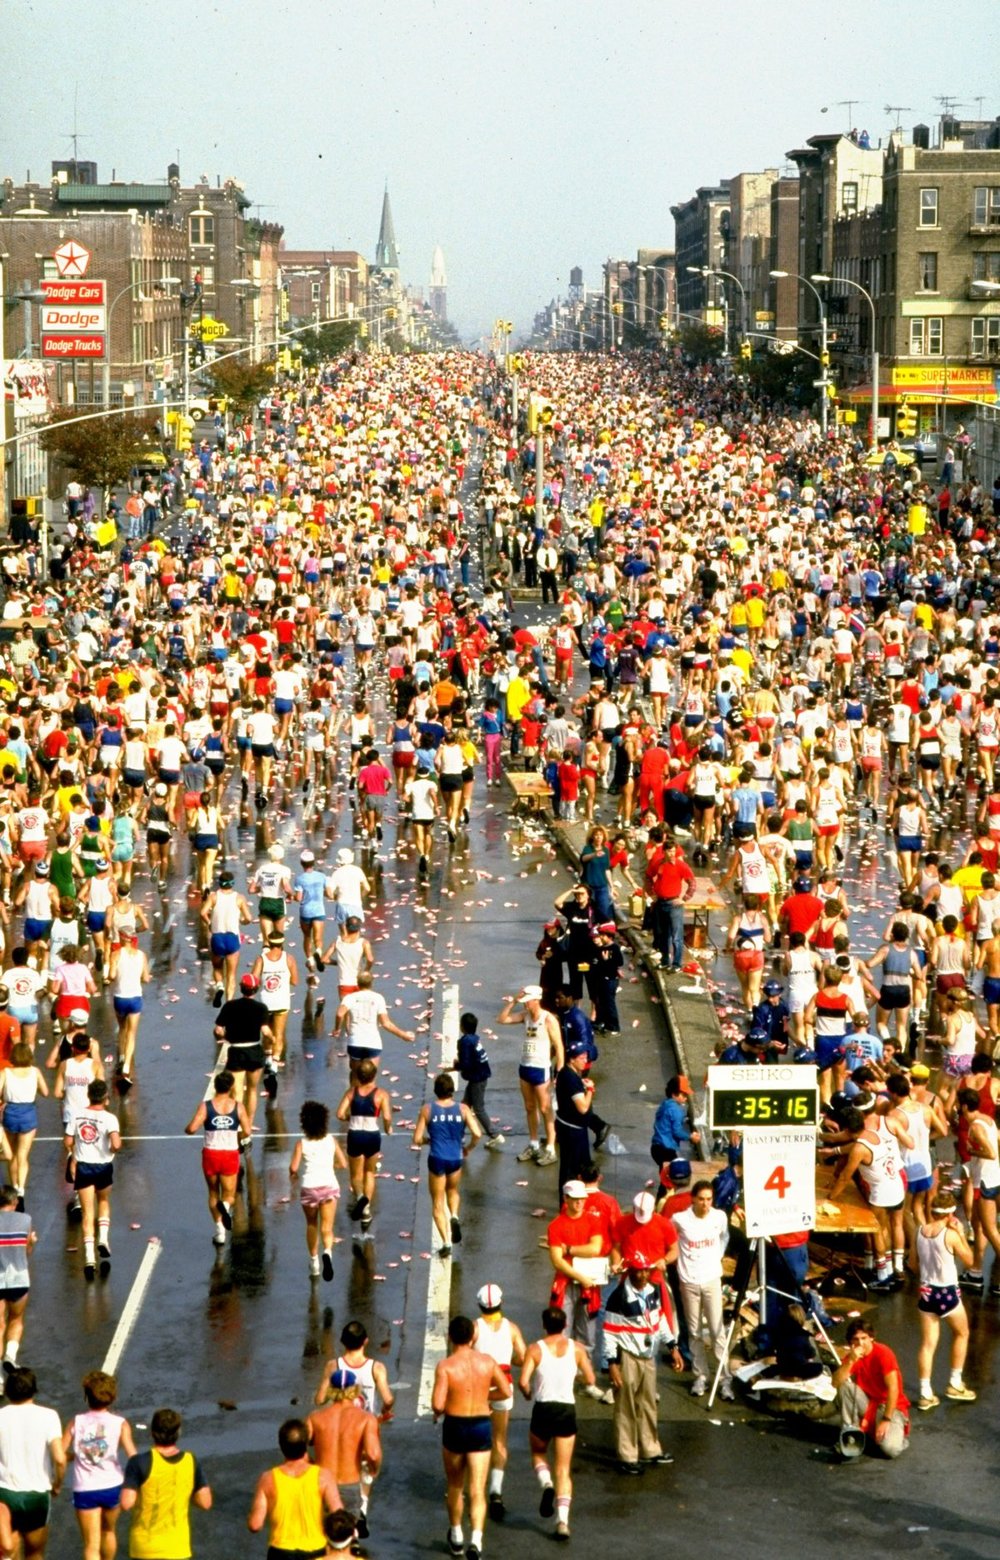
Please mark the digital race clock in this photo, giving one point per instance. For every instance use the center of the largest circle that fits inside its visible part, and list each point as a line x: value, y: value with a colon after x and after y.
x: 746, y: 1097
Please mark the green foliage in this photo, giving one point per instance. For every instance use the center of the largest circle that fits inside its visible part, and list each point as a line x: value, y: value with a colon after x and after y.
x: 326, y: 343
x: 101, y: 451
x: 783, y: 376
x: 242, y: 384
x: 702, y: 342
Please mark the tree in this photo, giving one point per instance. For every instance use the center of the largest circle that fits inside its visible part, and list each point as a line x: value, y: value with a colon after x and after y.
x: 242, y: 384
x: 704, y: 343
x: 328, y: 342
x: 101, y: 451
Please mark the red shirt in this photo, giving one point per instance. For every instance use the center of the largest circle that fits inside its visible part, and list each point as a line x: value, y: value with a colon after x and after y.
x: 653, y: 1240
x: 374, y: 779
x: 596, y: 1218
x: 670, y: 876
x: 677, y: 1201
x: 801, y: 911
x: 871, y: 1375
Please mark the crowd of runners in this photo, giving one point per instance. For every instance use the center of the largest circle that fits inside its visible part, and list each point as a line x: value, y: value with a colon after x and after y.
x: 730, y: 650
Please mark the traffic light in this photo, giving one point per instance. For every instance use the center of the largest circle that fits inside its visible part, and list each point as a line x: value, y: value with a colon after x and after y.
x: 906, y: 421
x: 745, y: 351
x: 824, y: 360
x: 546, y: 414
x: 540, y: 412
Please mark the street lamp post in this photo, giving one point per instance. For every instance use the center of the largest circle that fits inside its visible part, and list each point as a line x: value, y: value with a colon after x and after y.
x: 716, y: 270
x: 873, y: 353
x: 163, y: 281
x: 824, y: 355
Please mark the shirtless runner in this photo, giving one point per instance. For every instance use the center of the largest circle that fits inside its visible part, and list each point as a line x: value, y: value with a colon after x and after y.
x: 347, y: 1442
x: 466, y: 1383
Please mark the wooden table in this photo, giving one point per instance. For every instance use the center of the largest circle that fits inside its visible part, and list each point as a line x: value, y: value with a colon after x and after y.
x: 532, y: 789
x: 705, y: 900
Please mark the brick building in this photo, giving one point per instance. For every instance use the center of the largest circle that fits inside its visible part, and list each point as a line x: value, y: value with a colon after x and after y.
x: 701, y: 227
x: 324, y: 284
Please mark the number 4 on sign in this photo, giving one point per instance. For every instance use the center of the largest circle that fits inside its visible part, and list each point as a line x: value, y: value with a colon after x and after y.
x: 777, y: 1181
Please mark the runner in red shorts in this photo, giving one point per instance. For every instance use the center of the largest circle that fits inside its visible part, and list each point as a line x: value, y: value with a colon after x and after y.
x: 224, y: 1121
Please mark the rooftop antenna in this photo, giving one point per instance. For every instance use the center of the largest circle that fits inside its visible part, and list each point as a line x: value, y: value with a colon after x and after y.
x: 949, y: 103
x: 979, y: 101
x: 75, y: 134
x: 898, y: 110
x: 849, y: 103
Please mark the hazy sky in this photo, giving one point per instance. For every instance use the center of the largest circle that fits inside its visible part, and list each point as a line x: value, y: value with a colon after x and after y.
x: 524, y: 136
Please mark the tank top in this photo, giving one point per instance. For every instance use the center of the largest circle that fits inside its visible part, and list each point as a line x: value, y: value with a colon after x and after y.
x: 908, y: 821
x: 882, y: 1178
x: 937, y: 1264
x: 276, y: 983
x: 964, y: 1041
x: 555, y: 1375
x: 348, y: 954
x: 831, y: 1013
x: 535, y: 1050
x: 95, y: 1464
x: 297, y: 1513
x: 984, y: 1172
x: 896, y: 968
x: 222, y: 1129
x: 950, y: 956
x: 19, y: 1086
x: 38, y: 901
x: 161, y: 1528
x: 364, y: 1115
x: 226, y: 911
x: 364, y: 1377
x: 753, y: 871
x: 918, y: 1158
x: 128, y: 979
x: 402, y: 741
x: 78, y: 1075
x: 318, y: 1162
x: 446, y: 1130
x: 497, y: 1343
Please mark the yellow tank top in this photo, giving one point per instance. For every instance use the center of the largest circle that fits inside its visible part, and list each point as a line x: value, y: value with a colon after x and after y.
x: 297, y: 1516
x: 161, y: 1525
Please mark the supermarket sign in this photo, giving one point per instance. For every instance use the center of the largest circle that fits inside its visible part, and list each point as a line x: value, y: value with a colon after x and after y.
x: 74, y: 317
x: 957, y: 379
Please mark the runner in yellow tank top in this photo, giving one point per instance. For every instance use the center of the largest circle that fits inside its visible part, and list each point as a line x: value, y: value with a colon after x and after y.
x: 293, y: 1498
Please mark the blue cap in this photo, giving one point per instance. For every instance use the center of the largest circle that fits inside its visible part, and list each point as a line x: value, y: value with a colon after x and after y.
x: 339, y: 1379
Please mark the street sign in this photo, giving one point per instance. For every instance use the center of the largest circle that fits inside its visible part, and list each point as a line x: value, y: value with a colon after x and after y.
x: 70, y: 291
x: 71, y: 258
x: 779, y: 1181
x: 208, y: 329
x: 88, y: 317
x: 72, y: 345
x: 772, y: 1097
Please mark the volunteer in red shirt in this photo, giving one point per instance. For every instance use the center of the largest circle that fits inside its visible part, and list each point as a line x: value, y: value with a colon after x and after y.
x: 802, y: 909
x: 580, y: 1241
x: 645, y: 1230
x: 872, y: 1398
x: 672, y: 882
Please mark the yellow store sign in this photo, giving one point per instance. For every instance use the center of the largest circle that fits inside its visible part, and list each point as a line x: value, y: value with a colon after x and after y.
x: 955, y: 379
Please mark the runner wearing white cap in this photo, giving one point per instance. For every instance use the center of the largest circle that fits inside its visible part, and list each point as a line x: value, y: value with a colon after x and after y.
x: 500, y: 1338
x: 541, y: 1055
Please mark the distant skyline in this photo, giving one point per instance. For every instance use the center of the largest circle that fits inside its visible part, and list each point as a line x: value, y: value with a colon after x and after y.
x: 524, y: 138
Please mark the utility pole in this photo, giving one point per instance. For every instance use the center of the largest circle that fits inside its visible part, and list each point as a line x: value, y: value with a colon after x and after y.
x: 539, y: 475
x: 824, y: 357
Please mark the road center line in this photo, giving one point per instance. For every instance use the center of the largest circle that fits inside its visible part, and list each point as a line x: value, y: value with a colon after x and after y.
x: 133, y: 1305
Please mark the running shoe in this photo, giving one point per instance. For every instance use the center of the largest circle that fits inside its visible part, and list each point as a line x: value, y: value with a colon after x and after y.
x: 496, y: 1141
x: 318, y: 961
x: 561, y: 1534
x: 270, y: 1082
x: 225, y: 1216
x: 104, y: 1250
x: 547, y: 1504
x: 89, y: 1271
x: 366, y: 1221
x: 662, y: 1460
x: 961, y: 1394
x: 455, y: 1547
x: 361, y: 1525
x: 726, y: 1392
x: 925, y: 1404
x: 473, y: 1552
x: 217, y: 998
x: 314, y: 1267
x: 546, y: 1157
x: 497, y: 1508
x: 219, y: 1237
x: 327, y: 1266
x: 444, y: 1251
x: 527, y: 1154
x: 360, y: 1208
x: 456, y: 1231
x: 699, y: 1386
x: 602, y: 1136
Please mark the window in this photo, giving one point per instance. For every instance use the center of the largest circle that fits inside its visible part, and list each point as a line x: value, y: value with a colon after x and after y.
x: 927, y: 337
x: 986, y: 336
x: 929, y: 208
x: 848, y: 198
x: 315, y: 291
x: 202, y: 230
x: 207, y: 274
x: 986, y: 205
x: 927, y: 270
x: 986, y: 266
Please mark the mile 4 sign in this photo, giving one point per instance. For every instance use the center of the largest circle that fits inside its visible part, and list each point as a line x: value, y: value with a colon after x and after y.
x: 779, y: 1181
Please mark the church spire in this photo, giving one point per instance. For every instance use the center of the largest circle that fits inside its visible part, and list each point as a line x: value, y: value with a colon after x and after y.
x: 386, y: 254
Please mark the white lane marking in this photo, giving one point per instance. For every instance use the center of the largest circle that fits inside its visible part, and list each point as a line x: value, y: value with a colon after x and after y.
x: 438, y: 1307
x: 435, y: 1327
x: 132, y: 1306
